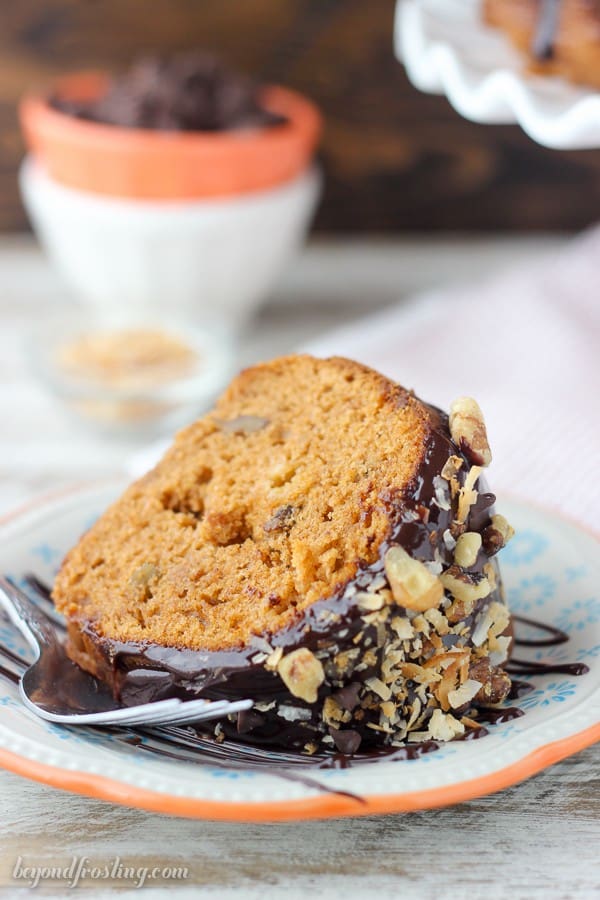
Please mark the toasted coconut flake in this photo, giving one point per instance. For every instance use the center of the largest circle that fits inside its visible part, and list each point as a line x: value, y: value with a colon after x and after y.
x: 419, y: 673
x: 493, y: 620
x: 441, y: 493
x: 452, y: 465
x: 499, y: 649
x: 294, y: 713
x: 467, y: 495
x: 438, y: 620
x: 369, y: 601
x: 444, y: 727
x: 464, y: 694
x: 378, y: 687
x: 333, y: 714
x: 273, y: 659
x: 388, y: 708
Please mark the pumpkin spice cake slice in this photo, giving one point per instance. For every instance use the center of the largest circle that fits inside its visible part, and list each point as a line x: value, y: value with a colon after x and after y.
x: 322, y: 542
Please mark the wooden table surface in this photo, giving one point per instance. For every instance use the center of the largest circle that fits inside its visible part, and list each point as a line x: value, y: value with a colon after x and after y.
x: 537, y: 839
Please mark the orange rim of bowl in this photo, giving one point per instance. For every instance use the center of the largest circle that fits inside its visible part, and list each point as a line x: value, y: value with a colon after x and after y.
x: 329, y: 805
x: 147, y: 164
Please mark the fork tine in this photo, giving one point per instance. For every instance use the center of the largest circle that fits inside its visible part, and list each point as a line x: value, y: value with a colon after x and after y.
x: 162, y: 712
x: 124, y: 716
x: 12, y: 657
x: 43, y: 600
x: 193, y: 711
x: 158, y: 713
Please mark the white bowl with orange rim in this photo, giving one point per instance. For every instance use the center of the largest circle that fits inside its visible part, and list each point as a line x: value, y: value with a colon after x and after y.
x: 194, y: 223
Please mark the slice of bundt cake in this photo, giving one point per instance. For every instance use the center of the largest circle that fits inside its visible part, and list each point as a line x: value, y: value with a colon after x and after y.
x: 560, y: 37
x: 323, y: 543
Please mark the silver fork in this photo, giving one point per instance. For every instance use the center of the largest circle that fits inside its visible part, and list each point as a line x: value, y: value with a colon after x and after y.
x: 57, y: 690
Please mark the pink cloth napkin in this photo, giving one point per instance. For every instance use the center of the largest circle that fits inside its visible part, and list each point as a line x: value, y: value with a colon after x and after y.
x: 526, y: 345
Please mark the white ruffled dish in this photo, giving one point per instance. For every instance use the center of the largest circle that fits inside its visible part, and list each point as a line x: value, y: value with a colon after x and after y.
x: 551, y: 572
x: 447, y: 49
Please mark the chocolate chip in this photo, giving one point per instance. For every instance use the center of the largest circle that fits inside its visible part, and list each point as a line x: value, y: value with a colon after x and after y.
x: 189, y: 91
x: 347, y: 742
x: 249, y: 720
x: 347, y: 697
x: 449, y: 640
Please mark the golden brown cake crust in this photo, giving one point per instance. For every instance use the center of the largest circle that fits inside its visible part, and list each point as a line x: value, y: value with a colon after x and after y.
x: 568, y: 46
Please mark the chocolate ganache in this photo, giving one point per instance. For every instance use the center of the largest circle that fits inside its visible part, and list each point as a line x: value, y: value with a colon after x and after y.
x: 194, y: 747
x: 350, y: 634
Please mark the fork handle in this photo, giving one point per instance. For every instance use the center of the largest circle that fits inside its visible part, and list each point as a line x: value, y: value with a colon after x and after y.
x: 25, y: 616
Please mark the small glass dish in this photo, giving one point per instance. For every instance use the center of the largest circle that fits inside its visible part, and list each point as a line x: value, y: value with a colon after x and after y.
x: 130, y: 378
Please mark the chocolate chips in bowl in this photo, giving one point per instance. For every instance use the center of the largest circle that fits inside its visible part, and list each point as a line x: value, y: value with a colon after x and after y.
x: 192, y: 91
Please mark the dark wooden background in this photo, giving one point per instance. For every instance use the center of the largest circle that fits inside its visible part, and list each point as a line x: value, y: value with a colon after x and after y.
x: 395, y: 159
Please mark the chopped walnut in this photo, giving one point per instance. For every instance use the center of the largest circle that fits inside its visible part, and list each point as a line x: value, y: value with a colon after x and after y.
x: 497, y: 535
x: 302, y: 674
x: 412, y: 584
x: 467, y: 548
x: 465, y: 587
x: 495, y: 683
x: 467, y: 428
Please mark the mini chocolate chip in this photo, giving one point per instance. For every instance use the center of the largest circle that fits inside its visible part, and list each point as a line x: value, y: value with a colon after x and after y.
x: 347, y: 697
x: 248, y: 720
x: 449, y: 640
x: 347, y: 742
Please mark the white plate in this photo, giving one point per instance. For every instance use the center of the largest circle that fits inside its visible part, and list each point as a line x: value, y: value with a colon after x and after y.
x: 551, y: 571
x: 447, y: 49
